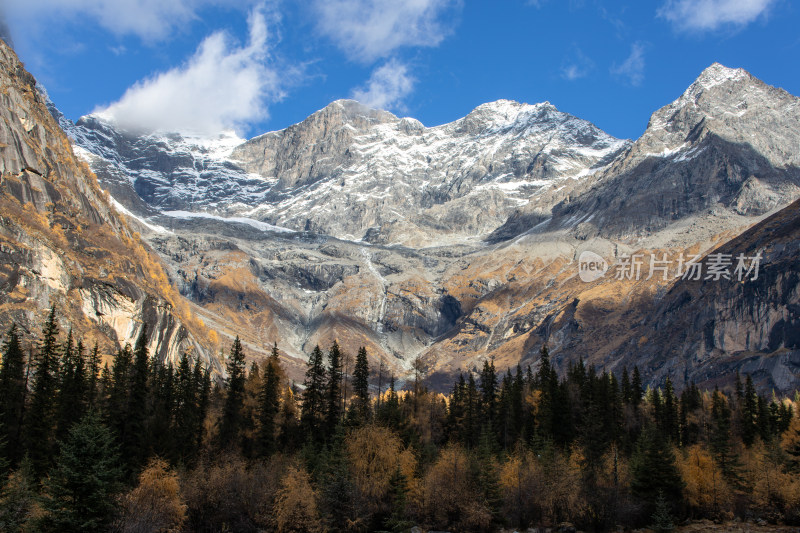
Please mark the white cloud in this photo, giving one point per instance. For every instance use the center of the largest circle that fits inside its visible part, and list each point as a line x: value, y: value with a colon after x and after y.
x: 577, y: 65
x: 222, y: 86
x: 632, y: 69
x: 702, y: 15
x: 387, y: 87
x: 367, y: 30
x: 148, y: 19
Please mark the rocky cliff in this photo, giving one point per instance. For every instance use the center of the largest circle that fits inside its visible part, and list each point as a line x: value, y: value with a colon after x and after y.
x: 63, y: 244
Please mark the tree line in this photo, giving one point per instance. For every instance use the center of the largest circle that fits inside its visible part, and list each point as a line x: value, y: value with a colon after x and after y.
x: 138, y: 444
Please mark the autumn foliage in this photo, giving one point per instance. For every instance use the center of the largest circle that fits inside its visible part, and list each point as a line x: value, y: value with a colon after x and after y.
x: 171, y: 450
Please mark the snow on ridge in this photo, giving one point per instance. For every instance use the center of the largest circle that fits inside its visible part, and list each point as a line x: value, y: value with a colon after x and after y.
x: 122, y: 209
x: 263, y: 226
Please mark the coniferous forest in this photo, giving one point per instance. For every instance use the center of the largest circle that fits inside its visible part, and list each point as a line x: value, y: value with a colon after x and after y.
x: 136, y: 445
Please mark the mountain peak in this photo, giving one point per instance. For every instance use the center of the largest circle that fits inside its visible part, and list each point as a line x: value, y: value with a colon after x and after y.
x: 717, y: 74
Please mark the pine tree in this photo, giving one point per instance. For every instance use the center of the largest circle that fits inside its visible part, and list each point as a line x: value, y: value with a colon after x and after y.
x: 186, y: 409
x: 12, y: 396
x: 202, y: 384
x: 72, y: 393
x: 81, y: 489
x: 40, y: 417
x: 117, y: 384
x: 337, y: 492
x: 389, y: 411
x: 134, y: 437
x: 456, y: 410
x: 626, y: 386
x: 636, y: 387
x: 313, y: 410
x: 361, y: 405
x: 93, y: 377
x: 333, y: 413
x: 670, y: 413
x: 653, y: 469
x: 397, y: 521
x: 268, y: 407
x: 472, y: 414
x: 662, y: 518
x: 489, y: 391
x: 231, y: 422
x: 749, y: 412
x: 720, y: 439
x: 160, y: 439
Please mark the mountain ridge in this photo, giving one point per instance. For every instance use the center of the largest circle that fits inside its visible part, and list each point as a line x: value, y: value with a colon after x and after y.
x: 459, y: 242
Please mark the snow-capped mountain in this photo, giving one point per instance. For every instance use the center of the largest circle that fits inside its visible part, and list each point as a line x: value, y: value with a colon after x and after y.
x: 459, y: 242
x: 354, y: 172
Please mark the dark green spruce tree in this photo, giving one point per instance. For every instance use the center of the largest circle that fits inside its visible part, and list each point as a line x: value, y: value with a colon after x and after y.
x: 313, y: 409
x: 231, y: 421
x: 12, y: 397
x: 269, y: 404
x: 72, y: 392
x: 40, y: 416
x: 185, y: 423
x: 80, y: 492
x: 360, y: 409
x: 134, y: 436
x: 333, y: 393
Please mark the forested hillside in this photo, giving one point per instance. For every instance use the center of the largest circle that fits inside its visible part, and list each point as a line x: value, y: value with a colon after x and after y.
x: 141, y: 445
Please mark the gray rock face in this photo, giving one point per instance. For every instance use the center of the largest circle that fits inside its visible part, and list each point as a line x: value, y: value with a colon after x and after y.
x: 61, y: 242
x: 729, y: 142
x: 353, y: 172
x: 347, y: 169
x: 707, y: 328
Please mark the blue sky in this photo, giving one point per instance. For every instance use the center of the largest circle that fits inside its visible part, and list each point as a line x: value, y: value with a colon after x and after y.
x: 256, y: 66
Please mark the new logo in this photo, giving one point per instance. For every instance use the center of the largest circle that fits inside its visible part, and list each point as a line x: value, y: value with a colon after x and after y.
x: 591, y: 266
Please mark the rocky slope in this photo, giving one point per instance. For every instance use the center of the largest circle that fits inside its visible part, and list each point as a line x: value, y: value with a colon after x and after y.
x: 728, y: 144
x: 353, y: 172
x: 460, y: 242
x: 61, y: 242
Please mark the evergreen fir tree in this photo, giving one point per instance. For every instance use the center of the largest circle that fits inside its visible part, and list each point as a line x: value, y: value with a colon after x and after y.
x: 472, y: 414
x: 202, y: 383
x: 93, y: 378
x: 72, y: 393
x: 333, y: 392
x: 720, y: 438
x: 749, y: 412
x: 361, y: 405
x: 456, y: 410
x: 662, y: 518
x: 134, y: 437
x: 231, y: 421
x: 185, y: 418
x: 336, y: 486
x: 40, y: 416
x: 117, y: 384
x: 397, y: 521
x: 653, y: 469
x: 626, y: 386
x: 268, y: 408
x: 489, y: 391
x: 670, y: 413
x: 12, y: 396
x: 81, y: 489
x: 314, y: 396
x: 160, y: 439
x: 636, y: 387
x: 389, y: 411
